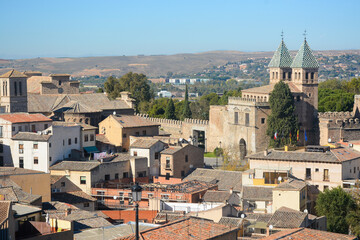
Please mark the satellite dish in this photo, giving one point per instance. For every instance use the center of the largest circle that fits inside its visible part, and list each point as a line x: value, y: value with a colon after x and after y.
x: 115, y: 197
x: 242, y: 216
x: 279, y: 179
x: 329, y: 140
x: 306, y: 211
x: 114, y: 113
x: 271, y: 227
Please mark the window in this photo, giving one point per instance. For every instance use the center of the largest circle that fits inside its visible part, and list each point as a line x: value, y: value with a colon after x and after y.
x: 316, y: 170
x: 137, y: 133
x: 121, y: 194
x: 100, y: 192
x: 62, y: 184
x: 263, y: 231
x: 182, y: 173
x: 116, y: 176
x: 144, y: 132
x: 20, y: 88
x: 124, y: 135
x: 262, y: 120
x: 135, y: 153
x: 33, y: 129
x: 247, y: 119
x: 125, y: 175
x: 312, y: 75
x: 236, y: 117
x: 82, y: 179
x: 69, y: 141
x: 86, y: 204
x: 164, y: 196
x: 167, y: 166
x: 21, y: 148
x: 75, y: 141
x: 150, y: 195
x: 59, y: 83
x: 21, y: 162
x: 186, y: 158
x: 46, y: 126
x: 36, y: 160
x: 326, y: 187
x: 167, y: 176
x: 86, y: 137
x: 354, y: 169
x: 15, y: 88
x: 13, y: 129
x: 20, y: 128
x: 63, y: 142
x: 157, y: 155
x: 1, y: 131
x: 284, y: 75
x: 298, y: 98
x: 308, y: 174
x: 49, y: 145
x: 107, y: 177
x: 50, y: 159
x: 92, y: 137
x: 35, y: 146
x: 1, y: 147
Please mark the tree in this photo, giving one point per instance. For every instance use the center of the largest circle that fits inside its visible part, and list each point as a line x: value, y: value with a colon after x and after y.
x: 170, y: 110
x: 136, y: 84
x: 186, y: 110
x: 282, y: 119
x: 335, y: 204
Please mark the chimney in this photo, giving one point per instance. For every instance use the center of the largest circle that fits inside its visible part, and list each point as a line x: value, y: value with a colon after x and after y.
x: 68, y: 212
x: 266, y: 152
x: 231, y: 190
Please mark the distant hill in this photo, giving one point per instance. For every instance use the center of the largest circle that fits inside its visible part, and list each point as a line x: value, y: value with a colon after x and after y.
x: 152, y: 66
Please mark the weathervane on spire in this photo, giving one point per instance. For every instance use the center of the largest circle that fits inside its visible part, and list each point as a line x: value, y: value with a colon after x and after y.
x: 305, y: 34
x: 282, y: 35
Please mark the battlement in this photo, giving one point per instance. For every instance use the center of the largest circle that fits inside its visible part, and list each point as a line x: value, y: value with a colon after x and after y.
x: 336, y: 115
x: 248, y: 101
x: 174, y: 122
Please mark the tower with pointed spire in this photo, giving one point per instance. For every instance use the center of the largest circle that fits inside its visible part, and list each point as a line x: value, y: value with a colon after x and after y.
x: 305, y: 70
x: 280, y: 64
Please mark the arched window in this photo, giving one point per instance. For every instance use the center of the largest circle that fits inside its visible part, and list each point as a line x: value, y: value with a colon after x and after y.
x: 284, y: 75
x: 312, y: 75
x: 15, y: 88
x: 20, y: 89
x: 273, y: 75
x: 277, y: 76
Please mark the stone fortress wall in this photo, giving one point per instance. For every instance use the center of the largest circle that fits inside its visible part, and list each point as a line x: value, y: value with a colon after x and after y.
x: 336, y: 126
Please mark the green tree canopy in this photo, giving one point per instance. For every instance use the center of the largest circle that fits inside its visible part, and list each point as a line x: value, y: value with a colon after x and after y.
x: 282, y: 119
x: 136, y: 84
x: 186, y: 108
x: 335, y: 204
x: 170, y: 110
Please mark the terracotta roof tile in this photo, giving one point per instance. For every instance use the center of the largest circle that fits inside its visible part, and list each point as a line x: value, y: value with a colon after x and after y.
x: 24, y: 117
x: 13, y: 74
x: 287, y: 218
x: 129, y: 121
x: 307, y: 233
x: 4, y: 210
x: 257, y: 193
x: 216, y: 196
x: 72, y: 197
x: 144, y: 143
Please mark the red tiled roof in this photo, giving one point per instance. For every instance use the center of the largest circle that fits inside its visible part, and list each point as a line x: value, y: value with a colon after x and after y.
x: 24, y: 117
x: 187, y: 228
x: 345, y: 154
x: 306, y: 234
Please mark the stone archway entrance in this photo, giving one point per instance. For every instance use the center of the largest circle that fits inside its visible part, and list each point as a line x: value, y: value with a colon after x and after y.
x: 242, y: 146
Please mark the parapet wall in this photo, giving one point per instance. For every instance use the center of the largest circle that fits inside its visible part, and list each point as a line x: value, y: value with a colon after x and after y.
x: 247, y: 101
x: 335, y: 115
x: 175, y: 122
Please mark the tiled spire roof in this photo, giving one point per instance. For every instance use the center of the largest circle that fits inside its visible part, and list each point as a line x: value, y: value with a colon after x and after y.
x: 305, y: 58
x: 281, y: 57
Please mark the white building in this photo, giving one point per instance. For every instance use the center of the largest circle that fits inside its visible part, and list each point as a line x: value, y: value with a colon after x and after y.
x: 38, y: 151
x: 149, y: 148
x: 11, y: 124
x: 187, y: 80
x: 164, y: 93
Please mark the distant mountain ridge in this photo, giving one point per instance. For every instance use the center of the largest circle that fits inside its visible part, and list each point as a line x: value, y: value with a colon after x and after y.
x: 151, y: 65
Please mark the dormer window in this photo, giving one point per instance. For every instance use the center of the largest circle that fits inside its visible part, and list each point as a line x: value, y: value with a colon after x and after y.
x: 59, y: 83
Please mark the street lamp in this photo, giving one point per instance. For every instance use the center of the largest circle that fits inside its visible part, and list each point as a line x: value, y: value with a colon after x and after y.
x: 243, y: 230
x: 136, y: 196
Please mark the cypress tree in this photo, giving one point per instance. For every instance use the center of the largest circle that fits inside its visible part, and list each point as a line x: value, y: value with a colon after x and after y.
x: 186, y: 110
x: 170, y: 110
x: 282, y: 119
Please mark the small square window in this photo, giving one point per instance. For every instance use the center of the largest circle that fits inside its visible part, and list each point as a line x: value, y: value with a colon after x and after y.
x: 62, y: 184
x: 92, y: 137
x: 116, y: 176
x: 144, y: 132
x: 124, y: 135
x: 135, y: 153
x: 137, y: 133
x: 13, y: 129
x: 82, y: 179
x: 35, y: 146
x: 86, y: 137
x: 262, y: 120
x: 316, y: 169
x: 107, y: 177
x: 46, y: 126
x: 36, y: 160
x: 86, y: 204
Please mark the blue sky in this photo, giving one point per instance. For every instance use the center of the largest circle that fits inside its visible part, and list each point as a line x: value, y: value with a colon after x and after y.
x: 59, y: 28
